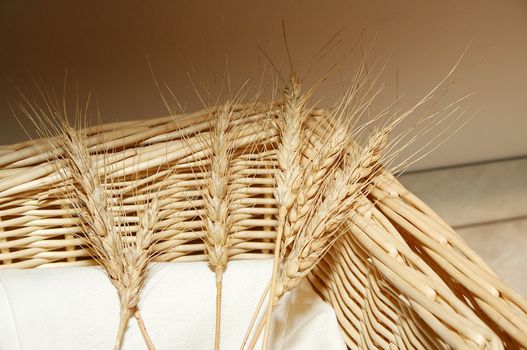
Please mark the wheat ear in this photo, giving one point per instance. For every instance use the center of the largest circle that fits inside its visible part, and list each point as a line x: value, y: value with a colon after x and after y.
x: 321, y: 227
x: 320, y: 165
x: 313, y: 176
x: 295, y: 199
x: 218, y: 201
x: 125, y: 263
x: 137, y: 255
x: 288, y: 174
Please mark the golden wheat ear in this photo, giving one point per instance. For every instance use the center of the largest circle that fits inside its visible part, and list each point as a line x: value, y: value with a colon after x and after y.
x: 323, y: 224
x: 299, y: 181
x: 217, y: 197
x: 213, y: 182
x: 124, y: 259
x: 288, y: 175
x: 307, y: 156
x: 86, y: 184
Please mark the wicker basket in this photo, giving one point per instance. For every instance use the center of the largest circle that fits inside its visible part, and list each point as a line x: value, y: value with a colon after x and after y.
x: 402, y: 279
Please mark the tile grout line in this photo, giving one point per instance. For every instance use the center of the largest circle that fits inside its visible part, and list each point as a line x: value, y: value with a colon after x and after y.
x: 490, y: 222
x: 463, y: 165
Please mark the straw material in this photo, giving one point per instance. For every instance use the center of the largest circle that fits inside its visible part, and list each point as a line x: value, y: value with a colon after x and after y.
x: 397, y: 276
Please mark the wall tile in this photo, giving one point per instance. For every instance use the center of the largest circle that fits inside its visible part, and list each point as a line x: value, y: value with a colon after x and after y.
x: 473, y: 194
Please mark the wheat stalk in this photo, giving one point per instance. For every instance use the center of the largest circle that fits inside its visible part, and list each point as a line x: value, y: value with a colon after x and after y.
x: 124, y: 260
x: 137, y: 255
x: 288, y: 175
x: 296, y: 197
x: 322, y: 223
x: 314, y: 175
x: 297, y: 186
x: 321, y: 228
x: 218, y: 220
x: 122, y: 256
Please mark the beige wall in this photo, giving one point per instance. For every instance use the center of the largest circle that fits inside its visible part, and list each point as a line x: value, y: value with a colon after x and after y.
x: 103, y: 44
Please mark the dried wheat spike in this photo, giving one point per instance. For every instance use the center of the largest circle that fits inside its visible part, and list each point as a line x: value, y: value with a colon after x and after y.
x: 323, y: 221
x: 124, y: 260
x: 218, y: 220
x: 289, y: 173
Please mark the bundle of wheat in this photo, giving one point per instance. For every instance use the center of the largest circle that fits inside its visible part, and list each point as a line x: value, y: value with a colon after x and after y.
x: 252, y: 181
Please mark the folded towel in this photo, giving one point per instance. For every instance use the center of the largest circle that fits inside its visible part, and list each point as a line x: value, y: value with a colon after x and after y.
x: 78, y: 308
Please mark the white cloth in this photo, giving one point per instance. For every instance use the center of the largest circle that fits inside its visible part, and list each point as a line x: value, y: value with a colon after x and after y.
x: 78, y: 308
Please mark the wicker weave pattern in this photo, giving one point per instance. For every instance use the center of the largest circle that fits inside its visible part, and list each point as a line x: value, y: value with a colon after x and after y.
x: 402, y: 279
